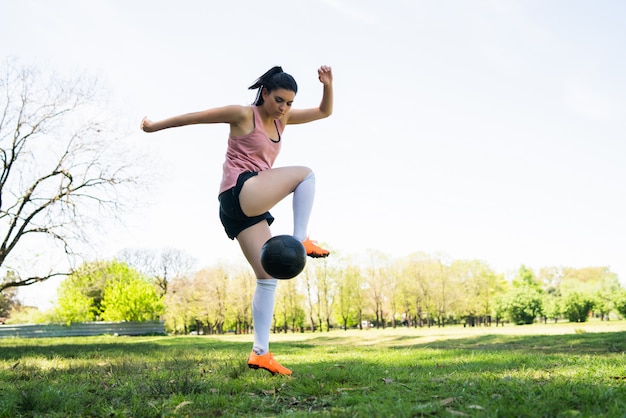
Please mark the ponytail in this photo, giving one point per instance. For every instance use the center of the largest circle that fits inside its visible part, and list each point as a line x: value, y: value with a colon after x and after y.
x: 261, y: 81
x: 274, y: 78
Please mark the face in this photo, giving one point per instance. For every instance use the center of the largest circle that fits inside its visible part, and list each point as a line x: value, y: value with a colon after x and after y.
x: 278, y: 102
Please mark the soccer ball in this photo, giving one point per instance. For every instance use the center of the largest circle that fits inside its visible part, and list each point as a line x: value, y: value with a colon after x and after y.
x: 283, y: 257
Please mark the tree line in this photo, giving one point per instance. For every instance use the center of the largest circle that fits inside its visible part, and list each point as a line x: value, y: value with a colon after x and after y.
x: 418, y: 290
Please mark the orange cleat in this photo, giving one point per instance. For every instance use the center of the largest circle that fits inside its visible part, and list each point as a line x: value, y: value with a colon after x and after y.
x: 267, y: 362
x: 313, y: 250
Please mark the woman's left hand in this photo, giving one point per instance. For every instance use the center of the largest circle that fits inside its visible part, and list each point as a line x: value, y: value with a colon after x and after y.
x: 325, y: 74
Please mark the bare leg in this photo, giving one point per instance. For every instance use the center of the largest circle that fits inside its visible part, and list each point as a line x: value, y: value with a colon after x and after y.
x: 251, y: 240
x: 263, y: 191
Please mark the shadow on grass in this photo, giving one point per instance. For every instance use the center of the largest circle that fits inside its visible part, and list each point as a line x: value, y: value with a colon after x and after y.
x: 583, y: 343
x: 94, y: 347
x: 587, y: 343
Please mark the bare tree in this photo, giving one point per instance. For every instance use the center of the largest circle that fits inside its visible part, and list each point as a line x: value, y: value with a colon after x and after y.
x: 161, y: 266
x: 60, y: 172
x: 378, y: 284
x: 239, y: 295
x: 326, y: 292
x: 311, y: 292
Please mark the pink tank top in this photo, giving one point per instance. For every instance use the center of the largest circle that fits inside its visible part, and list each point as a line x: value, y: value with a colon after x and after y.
x: 252, y: 152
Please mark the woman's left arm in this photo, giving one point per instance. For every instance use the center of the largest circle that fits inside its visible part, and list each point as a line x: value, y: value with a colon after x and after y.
x: 325, y: 109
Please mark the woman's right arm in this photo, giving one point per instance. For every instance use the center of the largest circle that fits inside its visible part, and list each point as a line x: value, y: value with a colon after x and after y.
x: 233, y: 115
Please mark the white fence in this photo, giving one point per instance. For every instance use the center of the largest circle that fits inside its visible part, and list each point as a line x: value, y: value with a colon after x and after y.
x: 82, y: 329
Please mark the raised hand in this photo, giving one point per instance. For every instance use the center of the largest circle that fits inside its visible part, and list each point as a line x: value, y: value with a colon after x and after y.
x: 325, y: 74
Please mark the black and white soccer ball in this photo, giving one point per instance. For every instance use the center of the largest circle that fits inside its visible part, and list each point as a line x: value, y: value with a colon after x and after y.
x: 283, y: 257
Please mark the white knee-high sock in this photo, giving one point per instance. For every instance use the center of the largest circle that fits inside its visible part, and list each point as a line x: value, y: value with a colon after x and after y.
x: 303, y: 197
x: 263, y: 313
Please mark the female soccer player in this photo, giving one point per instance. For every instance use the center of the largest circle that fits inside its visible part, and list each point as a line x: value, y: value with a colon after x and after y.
x: 250, y: 185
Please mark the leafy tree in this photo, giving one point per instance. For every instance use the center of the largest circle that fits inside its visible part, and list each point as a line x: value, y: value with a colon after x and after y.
x: 27, y: 315
x: 577, y: 306
x: 620, y: 303
x: 526, y: 279
x: 396, y: 301
x: 348, y: 297
x: 444, y: 289
x: 288, y: 311
x: 600, y: 283
x: 522, y: 305
x: 553, y: 306
x: 406, y: 289
x: 500, y: 305
x: 79, y: 296
x: 603, y: 302
x: 180, y: 301
x: 211, y: 286
x: 58, y: 169
x: 324, y: 273
x: 98, y: 286
x: 550, y: 278
x: 131, y: 297
x: 312, y: 307
x: 417, y: 270
x: 240, y: 293
x: 588, y: 279
x: 74, y: 305
x: 479, y: 285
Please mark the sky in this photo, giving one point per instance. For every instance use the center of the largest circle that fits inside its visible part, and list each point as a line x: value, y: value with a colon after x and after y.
x: 489, y: 130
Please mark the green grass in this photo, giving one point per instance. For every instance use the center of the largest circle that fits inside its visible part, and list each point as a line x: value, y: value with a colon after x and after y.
x: 529, y: 371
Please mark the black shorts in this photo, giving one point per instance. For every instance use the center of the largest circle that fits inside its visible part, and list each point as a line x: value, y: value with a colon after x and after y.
x: 231, y: 215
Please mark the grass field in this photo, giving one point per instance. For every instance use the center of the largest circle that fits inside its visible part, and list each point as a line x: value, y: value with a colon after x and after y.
x: 559, y: 370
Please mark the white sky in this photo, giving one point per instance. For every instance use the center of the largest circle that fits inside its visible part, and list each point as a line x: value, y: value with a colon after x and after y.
x: 490, y: 130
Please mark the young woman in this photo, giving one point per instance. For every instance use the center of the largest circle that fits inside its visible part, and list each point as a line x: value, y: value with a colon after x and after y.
x: 250, y: 185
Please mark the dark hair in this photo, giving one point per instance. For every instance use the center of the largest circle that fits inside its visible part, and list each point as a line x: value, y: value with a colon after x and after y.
x: 274, y: 78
